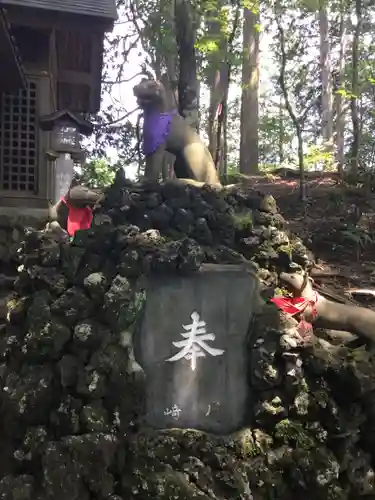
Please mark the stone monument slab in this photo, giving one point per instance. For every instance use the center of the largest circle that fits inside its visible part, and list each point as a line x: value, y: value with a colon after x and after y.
x: 192, y: 345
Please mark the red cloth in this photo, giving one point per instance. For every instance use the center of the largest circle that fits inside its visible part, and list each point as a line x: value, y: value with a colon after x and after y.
x: 78, y: 218
x: 295, y: 306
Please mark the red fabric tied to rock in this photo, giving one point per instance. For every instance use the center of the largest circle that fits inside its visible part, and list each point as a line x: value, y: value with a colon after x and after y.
x: 295, y: 306
x: 78, y: 218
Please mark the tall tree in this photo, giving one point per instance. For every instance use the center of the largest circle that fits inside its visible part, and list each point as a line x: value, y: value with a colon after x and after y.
x: 281, y: 134
x: 249, y: 142
x: 219, y: 88
x: 188, y: 85
x: 355, y: 89
x: 298, y: 120
x: 216, y: 69
x: 340, y: 110
x: 325, y: 72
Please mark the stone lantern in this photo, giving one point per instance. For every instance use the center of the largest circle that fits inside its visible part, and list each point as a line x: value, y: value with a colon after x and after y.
x: 66, y: 129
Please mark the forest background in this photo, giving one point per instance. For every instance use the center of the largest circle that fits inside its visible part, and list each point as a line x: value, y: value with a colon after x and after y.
x: 267, y: 84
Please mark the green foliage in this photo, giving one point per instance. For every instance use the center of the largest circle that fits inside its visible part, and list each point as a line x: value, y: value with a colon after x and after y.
x: 98, y: 173
x: 293, y: 433
x: 286, y: 249
x: 280, y: 291
x: 275, y: 135
x: 219, y: 25
x: 335, y: 201
x: 357, y: 236
x: 243, y: 220
x: 318, y: 155
x: 232, y: 178
x: 268, y: 168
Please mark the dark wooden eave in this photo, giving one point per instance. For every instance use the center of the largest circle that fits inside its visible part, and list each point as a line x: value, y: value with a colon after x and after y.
x: 78, y: 28
x: 47, y: 122
x: 12, y: 76
x: 104, y: 9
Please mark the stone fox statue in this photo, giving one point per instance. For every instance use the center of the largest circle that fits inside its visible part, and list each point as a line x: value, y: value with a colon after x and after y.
x: 166, y: 130
x: 327, y: 314
x: 74, y: 211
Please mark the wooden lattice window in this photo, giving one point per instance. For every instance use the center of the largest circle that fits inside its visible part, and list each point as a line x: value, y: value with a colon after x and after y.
x: 18, y: 140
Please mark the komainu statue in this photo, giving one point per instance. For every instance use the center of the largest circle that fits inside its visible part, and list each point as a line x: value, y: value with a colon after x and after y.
x: 165, y: 130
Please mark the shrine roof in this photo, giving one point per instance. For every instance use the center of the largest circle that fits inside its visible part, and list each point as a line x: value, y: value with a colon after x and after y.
x: 13, y: 75
x: 97, y: 8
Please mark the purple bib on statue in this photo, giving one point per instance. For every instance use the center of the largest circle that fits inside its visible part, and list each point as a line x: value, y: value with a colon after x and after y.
x: 156, y: 127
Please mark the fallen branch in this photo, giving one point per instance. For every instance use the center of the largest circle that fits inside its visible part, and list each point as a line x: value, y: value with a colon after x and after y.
x: 333, y: 296
x: 360, y: 291
x: 332, y: 274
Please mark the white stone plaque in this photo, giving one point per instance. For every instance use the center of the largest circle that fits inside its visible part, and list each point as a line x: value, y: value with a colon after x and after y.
x: 64, y: 170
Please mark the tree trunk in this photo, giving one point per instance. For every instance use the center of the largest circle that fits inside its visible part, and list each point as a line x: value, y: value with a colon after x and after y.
x: 168, y: 158
x: 354, y: 104
x: 292, y: 113
x: 339, y: 102
x: 219, y: 82
x: 217, y: 77
x: 325, y: 68
x: 281, y: 131
x: 170, y: 82
x: 224, y: 170
x: 249, y: 145
x: 157, y: 67
x: 218, y: 86
x: 221, y: 153
x: 188, y: 85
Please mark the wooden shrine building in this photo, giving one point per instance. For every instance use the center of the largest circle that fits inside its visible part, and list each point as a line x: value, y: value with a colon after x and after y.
x: 51, y: 57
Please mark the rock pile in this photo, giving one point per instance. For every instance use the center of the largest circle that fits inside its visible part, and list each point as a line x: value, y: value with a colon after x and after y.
x: 11, y: 235
x: 72, y: 393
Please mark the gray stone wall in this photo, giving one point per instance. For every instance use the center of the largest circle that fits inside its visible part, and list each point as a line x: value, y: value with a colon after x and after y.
x: 12, y: 229
x: 73, y: 398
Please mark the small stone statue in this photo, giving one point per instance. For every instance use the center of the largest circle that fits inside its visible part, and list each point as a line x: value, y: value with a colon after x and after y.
x: 74, y: 211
